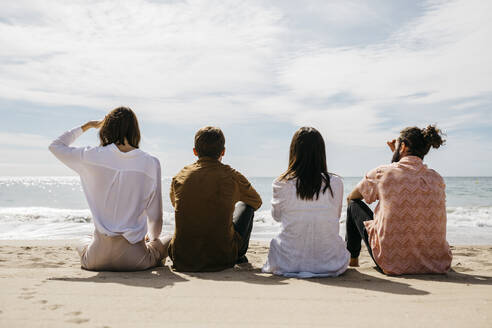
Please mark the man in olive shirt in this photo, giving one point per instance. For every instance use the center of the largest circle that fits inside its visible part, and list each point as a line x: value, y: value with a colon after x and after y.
x: 214, y: 208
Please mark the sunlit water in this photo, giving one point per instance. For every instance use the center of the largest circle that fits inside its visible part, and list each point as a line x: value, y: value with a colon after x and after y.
x: 55, y: 208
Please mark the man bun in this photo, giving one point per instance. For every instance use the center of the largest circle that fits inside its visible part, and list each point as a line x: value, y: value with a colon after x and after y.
x: 419, y: 141
x: 433, y: 136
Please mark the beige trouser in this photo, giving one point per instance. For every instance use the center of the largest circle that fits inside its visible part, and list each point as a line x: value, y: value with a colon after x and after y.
x: 105, y: 253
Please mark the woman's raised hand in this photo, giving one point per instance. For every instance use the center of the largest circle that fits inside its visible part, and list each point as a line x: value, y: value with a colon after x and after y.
x: 92, y: 124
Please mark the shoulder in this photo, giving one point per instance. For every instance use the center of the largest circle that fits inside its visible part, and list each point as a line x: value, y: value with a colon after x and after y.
x: 235, y: 174
x: 279, y: 182
x: 436, y: 176
x: 185, y: 172
x: 381, y: 170
x: 336, y: 182
x: 283, y: 184
x: 151, y: 164
x: 96, y: 152
x: 335, y: 179
x: 154, y: 160
x: 385, y: 167
x: 149, y: 159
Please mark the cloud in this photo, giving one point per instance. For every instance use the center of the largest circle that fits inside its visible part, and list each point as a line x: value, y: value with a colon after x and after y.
x: 436, y: 59
x: 24, y: 140
x: 359, y: 73
x: 139, y: 52
x: 441, y: 56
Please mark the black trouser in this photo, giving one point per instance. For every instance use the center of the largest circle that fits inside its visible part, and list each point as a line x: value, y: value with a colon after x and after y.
x: 357, y: 213
x: 243, y: 224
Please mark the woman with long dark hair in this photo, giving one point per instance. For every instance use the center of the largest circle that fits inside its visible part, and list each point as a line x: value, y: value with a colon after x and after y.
x: 122, y: 185
x: 307, y: 201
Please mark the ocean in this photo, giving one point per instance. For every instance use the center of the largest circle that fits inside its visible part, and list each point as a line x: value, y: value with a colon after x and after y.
x: 55, y: 208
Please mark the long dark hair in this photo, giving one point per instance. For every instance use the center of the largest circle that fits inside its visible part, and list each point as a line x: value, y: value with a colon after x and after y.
x: 120, y: 124
x: 307, y: 164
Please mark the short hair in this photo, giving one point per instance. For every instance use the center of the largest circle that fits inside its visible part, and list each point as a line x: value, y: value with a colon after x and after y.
x: 119, y: 124
x: 209, y: 142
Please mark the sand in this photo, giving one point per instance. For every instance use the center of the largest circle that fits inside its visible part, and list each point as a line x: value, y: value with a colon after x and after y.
x: 42, y: 285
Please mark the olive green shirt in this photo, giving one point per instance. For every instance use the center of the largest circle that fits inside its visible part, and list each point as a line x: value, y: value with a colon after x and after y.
x: 204, y: 195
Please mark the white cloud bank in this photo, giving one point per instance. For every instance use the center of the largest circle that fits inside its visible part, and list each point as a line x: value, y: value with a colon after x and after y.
x: 224, y: 61
x: 443, y: 56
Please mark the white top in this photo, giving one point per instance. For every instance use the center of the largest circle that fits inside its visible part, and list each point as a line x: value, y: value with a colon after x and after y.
x: 309, y: 244
x: 123, y: 189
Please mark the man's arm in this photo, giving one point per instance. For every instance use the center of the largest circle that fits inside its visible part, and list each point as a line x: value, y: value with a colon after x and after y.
x: 354, y: 194
x: 247, y: 193
x: 367, y: 188
x: 171, y: 194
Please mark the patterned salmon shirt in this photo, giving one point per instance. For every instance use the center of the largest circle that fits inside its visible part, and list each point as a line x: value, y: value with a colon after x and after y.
x: 408, y: 233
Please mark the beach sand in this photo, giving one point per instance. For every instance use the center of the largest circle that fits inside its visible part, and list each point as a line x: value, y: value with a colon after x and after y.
x: 42, y: 285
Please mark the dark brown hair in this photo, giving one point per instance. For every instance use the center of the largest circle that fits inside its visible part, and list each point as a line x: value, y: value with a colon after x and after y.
x: 419, y: 141
x: 209, y: 142
x: 120, y: 124
x: 307, y: 163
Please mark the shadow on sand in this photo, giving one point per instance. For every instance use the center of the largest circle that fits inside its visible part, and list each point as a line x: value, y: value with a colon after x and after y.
x: 452, y: 277
x: 161, y: 277
x: 350, y: 279
x: 158, y: 277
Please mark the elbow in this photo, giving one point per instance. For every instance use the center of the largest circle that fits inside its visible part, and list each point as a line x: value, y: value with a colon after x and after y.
x: 275, y: 214
x: 52, y: 147
x: 260, y: 202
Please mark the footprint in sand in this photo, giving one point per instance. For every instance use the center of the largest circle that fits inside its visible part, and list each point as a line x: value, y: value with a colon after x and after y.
x: 55, y: 307
x: 76, y: 320
x: 25, y: 297
x: 26, y: 294
x: 43, y: 302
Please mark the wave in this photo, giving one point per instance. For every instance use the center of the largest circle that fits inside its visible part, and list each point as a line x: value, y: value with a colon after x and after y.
x: 55, y: 223
x: 43, y: 214
x: 477, y: 216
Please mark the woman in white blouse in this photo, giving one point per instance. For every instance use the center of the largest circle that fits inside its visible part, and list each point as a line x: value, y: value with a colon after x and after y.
x: 307, y: 201
x: 122, y: 185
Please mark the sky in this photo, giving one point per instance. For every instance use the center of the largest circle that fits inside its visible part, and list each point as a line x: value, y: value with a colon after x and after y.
x: 358, y: 71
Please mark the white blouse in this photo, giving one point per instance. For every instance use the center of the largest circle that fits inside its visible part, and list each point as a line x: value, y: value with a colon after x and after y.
x: 309, y: 244
x: 123, y: 189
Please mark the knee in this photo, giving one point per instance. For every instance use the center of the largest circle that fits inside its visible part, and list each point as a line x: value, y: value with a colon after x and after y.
x: 243, y: 208
x: 355, y: 205
x: 352, y: 203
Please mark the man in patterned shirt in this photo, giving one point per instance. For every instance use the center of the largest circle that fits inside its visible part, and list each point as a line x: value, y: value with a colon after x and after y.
x: 407, y: 232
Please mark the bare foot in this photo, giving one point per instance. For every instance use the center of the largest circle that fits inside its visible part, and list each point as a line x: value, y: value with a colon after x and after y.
x: 354, y: 262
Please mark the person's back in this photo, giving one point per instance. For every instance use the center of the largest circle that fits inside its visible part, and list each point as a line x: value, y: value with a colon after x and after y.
x: 407, y: 232
x: 204, y: 195
x: 307, y: 201
x: 122, y: 185
x: 119, y: 187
